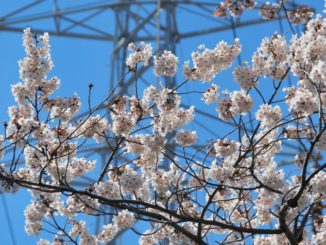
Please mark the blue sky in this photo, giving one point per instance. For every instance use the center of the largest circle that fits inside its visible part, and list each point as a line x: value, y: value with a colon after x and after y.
x: 79, y: 62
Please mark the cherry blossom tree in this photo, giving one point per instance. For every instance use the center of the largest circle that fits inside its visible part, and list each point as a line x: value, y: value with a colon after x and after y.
x: 229, y: 190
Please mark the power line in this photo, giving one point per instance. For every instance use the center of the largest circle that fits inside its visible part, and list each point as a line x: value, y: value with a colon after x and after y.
x: 5, y: 207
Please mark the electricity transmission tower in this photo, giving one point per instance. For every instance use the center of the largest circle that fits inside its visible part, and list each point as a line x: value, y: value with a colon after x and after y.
x: 127, y: 21
x: 167, y: 23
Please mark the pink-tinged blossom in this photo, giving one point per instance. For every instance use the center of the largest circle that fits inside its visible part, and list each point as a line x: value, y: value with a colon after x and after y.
x: 209, y: 62
x: 130, y: 180
x: 107, y: 189
x: 88, y: 240
x: 261, y: 240
x: 224, y: 109
x: 148, y: 238
x: 108, y: 233
x: 151, y: 95
x: 241, y: 102
x: 63, y: 108
x: 34, y: 157
x: 124, y: 219
x: 186, y: 138
x: 34, y: 213
x: 43, y: 242
x: 171, y: 116
x: 308, y: 51
x: 125, y: 113
x: 269, y: 10
x: 122, y: 124
x: 320, y: 225
x: 319, y: 238
x: 301, y: 101
x: 21, y: 123
x: 211, y: 94
x: 69, y: 169
x: 318, y: 183
x: 78, y: 228
x: 38, y: 60
x: 233, y: 8
x: 34, y: 70
x: 154, y: 142
x: 245, y: 77
x: 134, y: 144
x: 302, y: 14
x: 268, y: 116
x: 165, y: 64
x: 94, y: 127
x: 141, y: 53
x: 225, y: 147
x: 163, y: 180
x: 292, y: 132
x: 270, y: 58
x: 219, y: 172
x: 271, y: 177
x: 267, y: 142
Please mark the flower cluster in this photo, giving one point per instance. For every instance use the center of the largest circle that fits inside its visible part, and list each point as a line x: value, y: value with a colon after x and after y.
x: 268, y: 116
x: 124, y: 220
x: 165, y: 64
x: 94, y: 127
x: 209, y: 62
x: 239, y: 102
x: 211, y: 94
x: 186, y: 138
x: 139, y: 54
x: 245, y: 77
x: 125, y: 112
x: 267, y: 10
x: 225, y: 147
x: 318, y: 184
x: 301, y: 101
x: 108, y: 233
x: 320, y: 236
x: 302, y: 14
x: 307, y: 52
x: 79, y: 228
x: 34, y: 213
x: 37, y: 63
x: 107, y: 189
x: 130, y: 180
x: 270, y: 57
x: 234, y: 8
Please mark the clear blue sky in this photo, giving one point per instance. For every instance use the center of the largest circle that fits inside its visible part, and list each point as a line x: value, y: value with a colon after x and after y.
x: 78, y: 62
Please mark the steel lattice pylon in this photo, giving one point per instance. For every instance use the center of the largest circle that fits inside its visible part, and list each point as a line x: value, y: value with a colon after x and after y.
x: 128, y: 21
x: 138, y: 20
